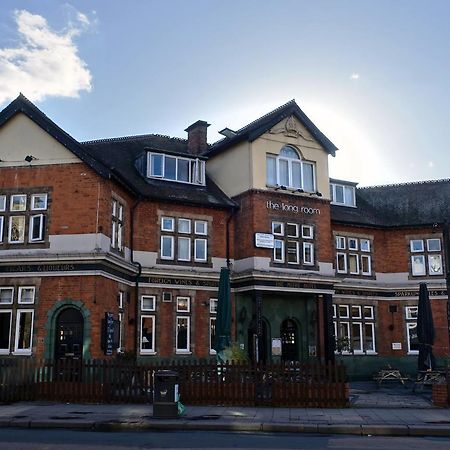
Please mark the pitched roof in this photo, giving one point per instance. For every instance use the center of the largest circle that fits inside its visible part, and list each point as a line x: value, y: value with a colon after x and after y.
x: 126, y: 157
x: 22, y: 105
x: 408, y: 204
x: 256, y: 128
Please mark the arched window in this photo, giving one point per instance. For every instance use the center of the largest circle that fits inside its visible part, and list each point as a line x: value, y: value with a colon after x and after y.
x: 288, y: 169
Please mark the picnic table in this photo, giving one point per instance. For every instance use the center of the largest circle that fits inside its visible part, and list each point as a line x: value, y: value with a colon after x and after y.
x: 388, y: 374
x: 429, y: 377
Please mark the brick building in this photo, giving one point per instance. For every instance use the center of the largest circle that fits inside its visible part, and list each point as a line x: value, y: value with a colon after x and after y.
x: 115, y: 246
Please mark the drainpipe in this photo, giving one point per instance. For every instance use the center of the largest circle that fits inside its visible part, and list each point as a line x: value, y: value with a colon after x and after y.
x: 228, y: 236
x: 138, y: 275
x: 446, y: 250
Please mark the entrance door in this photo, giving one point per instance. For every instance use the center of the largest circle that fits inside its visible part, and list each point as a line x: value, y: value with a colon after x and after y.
x: 69, y: 335
x: 289, y: 340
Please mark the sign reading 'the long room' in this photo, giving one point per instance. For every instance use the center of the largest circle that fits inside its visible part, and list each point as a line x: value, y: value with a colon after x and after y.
x: 290, y: 208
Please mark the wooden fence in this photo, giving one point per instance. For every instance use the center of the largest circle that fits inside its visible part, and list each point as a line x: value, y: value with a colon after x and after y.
x: 201, y: 383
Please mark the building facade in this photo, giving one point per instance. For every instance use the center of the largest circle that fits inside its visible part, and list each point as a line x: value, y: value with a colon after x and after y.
x: 113, y: 248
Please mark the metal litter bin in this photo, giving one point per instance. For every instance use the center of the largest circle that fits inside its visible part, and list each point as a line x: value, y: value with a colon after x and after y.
x: 165, y: 394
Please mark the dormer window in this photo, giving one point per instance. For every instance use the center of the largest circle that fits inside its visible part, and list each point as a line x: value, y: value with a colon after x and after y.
x: 289, y: 170
x: 342, y: 194
x: 176, y: 168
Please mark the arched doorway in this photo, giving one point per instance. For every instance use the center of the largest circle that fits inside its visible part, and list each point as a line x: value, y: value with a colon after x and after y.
x: 69, y: 334
x: 289, y: 340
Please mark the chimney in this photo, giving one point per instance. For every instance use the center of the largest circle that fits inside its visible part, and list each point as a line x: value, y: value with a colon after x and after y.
x: 197, y: 137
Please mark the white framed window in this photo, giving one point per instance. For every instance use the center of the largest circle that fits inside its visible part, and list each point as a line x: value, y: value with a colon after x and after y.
x: 39, y: 202
x: 147, y: 336
x: 364, y: 245
x: 340, y: 242
x: 18, y: 202
x: 120, y: 348
x: 308, y: 253
x: 368, y: 312
x: 2, y: 221
x: 434, y: 245
x: 344, y: 336
x: 148, y: 302
x: 167, y: 224
x: 167, y: 244
x: 278, y: 251
x: 411, y: 312
x: 352, y: 243
x: 342, y: 194
x: 288, y: 169
x: 418, y: 265
x: 213, y: 305
x: 435, y: 264
x: 344, y: 311
x: 416, y: 245
x: 184, y: 249
x: 5, y: 331
x: 184, y: 226
x: 369, y: 337
x: 366, y: 264
x: 212, y: 334
x: 356, y: 311
x: 292, y: 230
x: 24, y: 331
x: 353, y: 263
x: 201, y: 227
x: 307, y: 232
x: 412, y: 339
x: 6, y: 295
x: 292, y: 252
x: 176, y: 168
x: 117, y: 224
x: 26, y: 294
x: 36, y: 228
x: 183, y: 304
x: 16, y: 234
x: 183, y: 334
x: 200, y: 250
x: 278, y: 228
x: 121, y: 299
x: 357, y: 338
x: 341, y: 262
x: 2, y: 202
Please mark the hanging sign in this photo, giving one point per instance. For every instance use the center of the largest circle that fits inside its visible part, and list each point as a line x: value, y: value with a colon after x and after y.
x: 109, y: 333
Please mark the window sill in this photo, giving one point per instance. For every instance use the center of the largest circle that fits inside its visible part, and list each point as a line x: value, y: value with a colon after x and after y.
x: 22, y: 353
x: 183, y: 352
x: 413, y: 352
x: 149, y: 352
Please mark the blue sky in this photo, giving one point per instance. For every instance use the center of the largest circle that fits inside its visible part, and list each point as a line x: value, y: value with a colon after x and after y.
x: 373, y: 76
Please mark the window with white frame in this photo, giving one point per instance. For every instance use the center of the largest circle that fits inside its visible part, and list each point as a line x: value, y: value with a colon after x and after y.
x: 176, y: 168
x: 148, y: 302
x: 212, y: 324
x: 289, y: 170
x: 121, y: 348
x: 117, y: 225
x: 183, y: 334
x: 342, y: 194
x: 353, y: 255
x: 293, y: 244
x: 411, y: 329
x: 184, y: 240
x: 23, y: 218
x: 354, y: 328
x: 183, y: 304
x: 426, y: 257
x: 16, y: 321
x: 147, y: 337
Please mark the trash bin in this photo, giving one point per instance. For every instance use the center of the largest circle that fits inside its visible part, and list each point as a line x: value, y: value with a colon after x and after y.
x: 165, y: 394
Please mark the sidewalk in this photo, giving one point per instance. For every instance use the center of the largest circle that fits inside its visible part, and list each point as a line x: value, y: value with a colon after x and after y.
x: 404, y: 419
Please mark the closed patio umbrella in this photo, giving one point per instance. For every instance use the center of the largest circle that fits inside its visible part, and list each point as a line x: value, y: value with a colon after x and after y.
x: 223, y: 318
x: 425, y: 330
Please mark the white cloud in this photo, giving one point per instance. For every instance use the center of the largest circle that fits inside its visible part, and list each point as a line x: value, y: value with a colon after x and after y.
x: 354, y: 76
x: 430, y: 164
x: 46, y: 62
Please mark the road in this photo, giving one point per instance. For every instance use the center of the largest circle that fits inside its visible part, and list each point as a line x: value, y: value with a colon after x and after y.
x: 60, y: 439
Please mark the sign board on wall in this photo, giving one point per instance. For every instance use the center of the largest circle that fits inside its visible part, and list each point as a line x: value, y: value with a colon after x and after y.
x: 276, y: 347
x: 396, y: 346
x: 264, y: 240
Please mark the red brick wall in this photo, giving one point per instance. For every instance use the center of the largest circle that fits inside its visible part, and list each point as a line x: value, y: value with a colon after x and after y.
x: 254, y: 216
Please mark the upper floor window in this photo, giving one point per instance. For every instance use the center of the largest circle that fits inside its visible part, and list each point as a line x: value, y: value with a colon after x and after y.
x: 117, y: 221
x: 353, y: 255
x: 176, y: 168
x: 23, y: 218
x: 184, y: 240
x: 426, y: 257
x: 288, y: 169
x: 342, y: 194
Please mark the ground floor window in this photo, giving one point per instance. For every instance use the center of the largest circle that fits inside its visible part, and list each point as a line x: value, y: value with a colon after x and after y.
x: 182, y: 334
x: 147, y: 337
x: 354, y: 328
x: 411, y: 329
